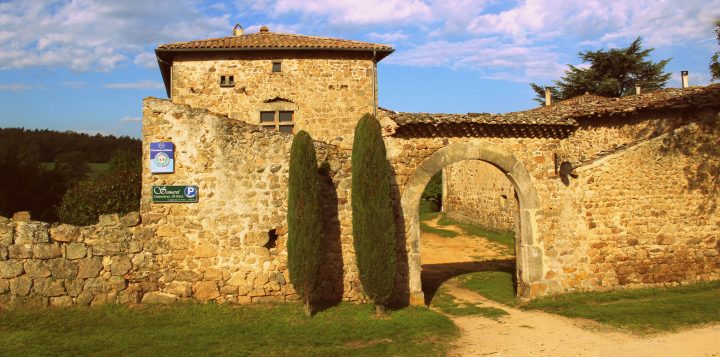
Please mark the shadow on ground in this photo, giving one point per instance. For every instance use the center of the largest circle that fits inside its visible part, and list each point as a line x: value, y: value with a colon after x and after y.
x: 434, y: 275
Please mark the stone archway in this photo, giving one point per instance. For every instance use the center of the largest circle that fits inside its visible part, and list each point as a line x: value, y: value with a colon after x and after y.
x: 528, y: 253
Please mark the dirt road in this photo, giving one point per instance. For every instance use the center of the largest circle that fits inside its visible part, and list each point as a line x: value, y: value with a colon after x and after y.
x: 532, y: 333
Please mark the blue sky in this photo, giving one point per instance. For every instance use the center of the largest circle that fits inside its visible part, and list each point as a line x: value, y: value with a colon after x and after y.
x: 85, y: 65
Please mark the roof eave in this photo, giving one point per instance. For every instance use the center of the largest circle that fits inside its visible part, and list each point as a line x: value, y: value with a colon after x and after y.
x: 380, y: 52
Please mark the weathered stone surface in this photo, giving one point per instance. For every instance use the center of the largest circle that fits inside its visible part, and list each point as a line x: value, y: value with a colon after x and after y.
x: 20, y: 286
x: 205, y: 251
x: 89, y: 267
x: 6, y: 235
x: 131, y: 219
x: 213, y: 275
x: 120, y: 265
x: 180, y: 289
x: 84, y: 299
x: 95, y: 285
x: 205, y: 290
x: 18, y: 251
x: 10, y: 269
x: 64, y: 233
x: 75, y: 251
x: 36, y: 269
x: 61, y: 301
x: 49, y: 287
x: 46, y: 251
x: 74, y: 286
x: 188, y: 275
x: 117, y: 283
x: 4, y: 286
x: 237, y: 279
x: 62, y: 268
x: 22, y: 216
x: 157, y: 297
x: 31, y: 232
x: 109, y: 220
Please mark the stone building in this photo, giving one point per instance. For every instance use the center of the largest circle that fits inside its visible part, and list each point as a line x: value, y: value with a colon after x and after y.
x: 611, y: 193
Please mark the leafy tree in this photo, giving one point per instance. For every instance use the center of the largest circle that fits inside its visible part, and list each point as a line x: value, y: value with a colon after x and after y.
x: 715, y: 60
x: 612, y: 73
x: 433, y: 190
x: 72, y: 165
x: 304, y: 219
x: 372, y: 213
x: 115, y: 191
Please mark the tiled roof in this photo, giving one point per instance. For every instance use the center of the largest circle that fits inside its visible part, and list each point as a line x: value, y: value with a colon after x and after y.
x: 561, y: 114
x: 272, y: 40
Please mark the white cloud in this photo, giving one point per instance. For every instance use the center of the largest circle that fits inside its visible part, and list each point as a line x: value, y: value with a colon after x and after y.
x: 146, y: 60
x: 128, y: 119
x: 146, y: 84
x: 14, y: 87
x: 356, y: 12
x: 274, y: 27
x: 96, y: 35
x: 388, y: 36
x: 490, y: 58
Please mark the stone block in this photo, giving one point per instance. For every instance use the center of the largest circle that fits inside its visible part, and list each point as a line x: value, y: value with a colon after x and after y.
x: 4, y: 286
x: 20, y: 251
x: 205, y: 290
x: 188, y: 275
x: 10, y: 269
x: 117, y: 283
x: 49, y: 287
x: 75, y: 251
x: 61, y: 301
x: 62, y: 268
x: 74, y: 287
x: 131, y: 219
x: 120, y: 265
x: 31, y: 233
x: 106, y: 298
x: 36, y: 269
x: 84, y: 299
x: 205, y: 251
x: 109, y: 220
x: 20, y: 286
x: 95, y: 285
x: 6, y: 236
x: 213, y: 275
x: 89, y: 267
x: 229, y: 290
x: 107, y: 248
x: 65, y: 233
x: 156, y: 297
x: 46, y: 251
x: 22, y: 216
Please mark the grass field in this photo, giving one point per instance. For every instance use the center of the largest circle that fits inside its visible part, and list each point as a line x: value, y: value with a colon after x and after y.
x: 446, y: 303
x: 639, y: 310
x: 275, y: 330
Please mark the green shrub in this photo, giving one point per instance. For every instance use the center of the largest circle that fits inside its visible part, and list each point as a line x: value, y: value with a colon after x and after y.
x: 372, y: 213
x: 304, y: 221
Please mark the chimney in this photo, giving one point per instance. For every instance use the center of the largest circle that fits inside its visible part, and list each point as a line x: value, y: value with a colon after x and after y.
x: 684, y: 76
x: 238, y: 30
x: 548, y: 96
x: 637, y: 89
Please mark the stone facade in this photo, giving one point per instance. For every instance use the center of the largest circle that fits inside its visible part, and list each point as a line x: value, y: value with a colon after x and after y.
x: 327, y: 92
x: 477, y: 192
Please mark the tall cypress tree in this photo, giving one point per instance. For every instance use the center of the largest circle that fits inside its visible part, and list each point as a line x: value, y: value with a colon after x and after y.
x: 304, y: 221
x: 372, y: 213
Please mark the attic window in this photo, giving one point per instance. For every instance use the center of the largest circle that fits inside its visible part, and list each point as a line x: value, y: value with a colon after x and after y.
x: 227, y: 81
x: 277, y: 66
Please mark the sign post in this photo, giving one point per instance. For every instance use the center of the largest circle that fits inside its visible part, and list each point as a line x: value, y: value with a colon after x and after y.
x: 162, y: 157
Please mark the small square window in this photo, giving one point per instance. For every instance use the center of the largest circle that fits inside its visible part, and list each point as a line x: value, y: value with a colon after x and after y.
x: 277, y: 66
x: 286, y: 116
x: 227, y: 81
x: 267, y: 117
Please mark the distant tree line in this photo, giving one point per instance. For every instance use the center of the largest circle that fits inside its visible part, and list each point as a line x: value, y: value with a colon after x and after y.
x: 48, y: 173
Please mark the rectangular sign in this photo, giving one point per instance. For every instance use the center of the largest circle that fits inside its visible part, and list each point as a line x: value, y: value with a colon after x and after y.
x: 174, y: 194
x: 162, y: 157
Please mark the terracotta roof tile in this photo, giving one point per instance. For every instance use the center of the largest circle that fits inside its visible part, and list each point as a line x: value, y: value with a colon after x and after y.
x: 272, y: 40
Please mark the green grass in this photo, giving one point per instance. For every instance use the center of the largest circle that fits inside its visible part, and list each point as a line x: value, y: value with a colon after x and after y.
x: 446, y: 303
x: 494, y: 285
x: 277, y: 330
x: 506, y: 239
x: 642, y: 310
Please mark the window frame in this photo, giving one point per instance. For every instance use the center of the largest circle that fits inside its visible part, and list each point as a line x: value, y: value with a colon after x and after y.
x: 272, y: 67
x: 276, y: 123
x: 227, y: 81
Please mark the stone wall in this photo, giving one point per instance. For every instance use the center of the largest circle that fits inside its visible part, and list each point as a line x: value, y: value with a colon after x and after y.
x: 63, y: 265
x: 331, y: 90
x: 479, y: 193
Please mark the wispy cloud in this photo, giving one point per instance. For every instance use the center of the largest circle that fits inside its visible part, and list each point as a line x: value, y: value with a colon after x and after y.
x: 128, y: 119
x: 146, y: 60
x: 14, y: 87
x: 146, y: 84
x: 388, y: 36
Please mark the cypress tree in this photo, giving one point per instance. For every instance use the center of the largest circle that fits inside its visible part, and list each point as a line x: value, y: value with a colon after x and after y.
x: 304, y: 221
x: 372, y: 213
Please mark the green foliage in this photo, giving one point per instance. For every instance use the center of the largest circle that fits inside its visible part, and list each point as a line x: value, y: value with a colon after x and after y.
x: 641, y: 310
x: 304, y: 220
x: 433, y: 191
x: 115, y: 191
x: 715, y: 59
x: 372, y: 211
x: 223, y: 330
x: 494, y: 285
x: 612, y: 73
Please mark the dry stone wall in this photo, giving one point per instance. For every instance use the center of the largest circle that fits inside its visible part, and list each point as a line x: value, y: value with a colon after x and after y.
x: 479, y: 193
x: 331, y: 90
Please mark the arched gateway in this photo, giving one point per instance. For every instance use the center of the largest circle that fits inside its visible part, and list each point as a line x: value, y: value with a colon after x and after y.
x: 529, y: 258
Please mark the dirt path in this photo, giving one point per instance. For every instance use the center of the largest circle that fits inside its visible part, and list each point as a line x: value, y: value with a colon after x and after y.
x: 533, y: 333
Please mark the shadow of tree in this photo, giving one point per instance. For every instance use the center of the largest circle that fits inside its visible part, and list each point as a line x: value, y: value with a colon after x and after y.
x: 434, y: 275
x: 331, y: 288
